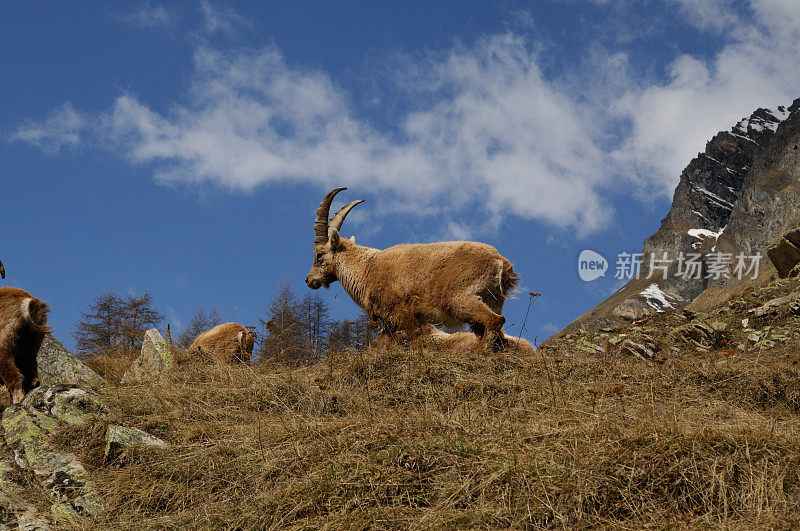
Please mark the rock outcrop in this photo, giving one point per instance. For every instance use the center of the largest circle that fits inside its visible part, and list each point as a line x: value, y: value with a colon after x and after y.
x: 68, y: 403
x: 57, y: 365
x: 26, y: 450
x: 30, y: 463
x: 15, y: 509
x: 785, y: 254
x: 156, y: 357
x: 27, y: 429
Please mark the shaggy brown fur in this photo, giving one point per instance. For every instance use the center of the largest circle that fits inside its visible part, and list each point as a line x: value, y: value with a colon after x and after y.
x: 410, y: 285
x: 23, y: 324
x: 225, y: 343
x: 464, y: 341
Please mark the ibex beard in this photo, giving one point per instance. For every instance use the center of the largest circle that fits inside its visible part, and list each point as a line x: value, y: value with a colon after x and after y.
x: 408, y: 286
x: 23, y: 325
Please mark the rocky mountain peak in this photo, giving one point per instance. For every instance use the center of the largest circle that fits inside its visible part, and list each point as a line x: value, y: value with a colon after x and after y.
x: 759, y: 121
x: 732, y: 200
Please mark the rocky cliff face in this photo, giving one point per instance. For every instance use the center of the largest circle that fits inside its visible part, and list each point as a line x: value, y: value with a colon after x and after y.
x: 769, y: 203
x: 734, y: 199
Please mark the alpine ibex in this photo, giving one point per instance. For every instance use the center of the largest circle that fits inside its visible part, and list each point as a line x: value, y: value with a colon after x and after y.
x: 225, y: 343
x: 23, y: 324
x: 465, y: 342
x: 410, y: 285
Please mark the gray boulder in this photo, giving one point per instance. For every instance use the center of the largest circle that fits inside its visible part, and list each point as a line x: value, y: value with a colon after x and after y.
x: 643, y: 347
x: 57, y: 365
x: 773, y: 306
x: 156, y: 357
x: 785, y: 254
x: 118, y: 438
x: 632, y: 309
x: 72, y: 404
x: 700, y: 334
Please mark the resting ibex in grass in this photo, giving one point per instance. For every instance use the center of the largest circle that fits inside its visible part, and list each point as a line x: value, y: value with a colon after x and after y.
x: 465, y: 342
x: 410, y: 285
x: 23, y: 324
x: 225, y: 343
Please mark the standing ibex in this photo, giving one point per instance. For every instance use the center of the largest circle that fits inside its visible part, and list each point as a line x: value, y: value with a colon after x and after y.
x: 410, y: 285
x: 23, y: 324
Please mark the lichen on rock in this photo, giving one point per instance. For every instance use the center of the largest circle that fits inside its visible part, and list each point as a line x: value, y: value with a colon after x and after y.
x: 72, y: 404
x: 28, y: 428
x: 118, y: 438
x: 155, y: 357
x: 57, y: 365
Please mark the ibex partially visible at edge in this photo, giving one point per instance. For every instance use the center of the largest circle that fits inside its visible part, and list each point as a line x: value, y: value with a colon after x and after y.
x: 23, y: 324
x: 410, y: 285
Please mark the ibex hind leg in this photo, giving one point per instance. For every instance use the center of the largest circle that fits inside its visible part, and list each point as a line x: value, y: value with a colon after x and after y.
x: 483, y: 322
x: 11, y: 376
x: 494, y: 297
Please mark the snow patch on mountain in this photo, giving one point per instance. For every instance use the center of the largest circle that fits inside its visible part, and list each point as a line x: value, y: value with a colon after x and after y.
x: 714, y: 198
x: 768, y: 119
x: 781, y: 113
x: 705, y: 233
x: 702, y: 235
x: 655, y: 298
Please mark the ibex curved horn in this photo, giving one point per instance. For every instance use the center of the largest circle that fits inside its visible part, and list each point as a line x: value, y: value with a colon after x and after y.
x: 321, y: 223
x: 2, y: 271
x: 338, y: 218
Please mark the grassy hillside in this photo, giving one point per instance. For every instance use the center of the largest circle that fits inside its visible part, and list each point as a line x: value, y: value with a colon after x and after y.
x: 578, y: 434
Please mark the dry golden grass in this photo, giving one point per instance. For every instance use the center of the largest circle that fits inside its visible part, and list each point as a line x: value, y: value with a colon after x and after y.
x: 406, y: 438
x: 392, y: 438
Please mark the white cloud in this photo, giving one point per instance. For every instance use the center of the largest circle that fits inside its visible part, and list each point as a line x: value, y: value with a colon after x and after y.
x: 506, y: 140
x: 715, y: 15
x: 219, y: 18
x: 59, y: 130
x: 488, y: 133
x: 671, y: 122
x: 518, y: 138
x: 149, y: 16
x: 548, y: 330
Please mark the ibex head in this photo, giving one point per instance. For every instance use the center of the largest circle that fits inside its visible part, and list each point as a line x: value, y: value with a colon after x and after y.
x: 246, y: 340
x: 327, y: 242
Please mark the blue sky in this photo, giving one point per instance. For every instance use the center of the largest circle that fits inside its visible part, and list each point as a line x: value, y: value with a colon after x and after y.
x: 182, y: 147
